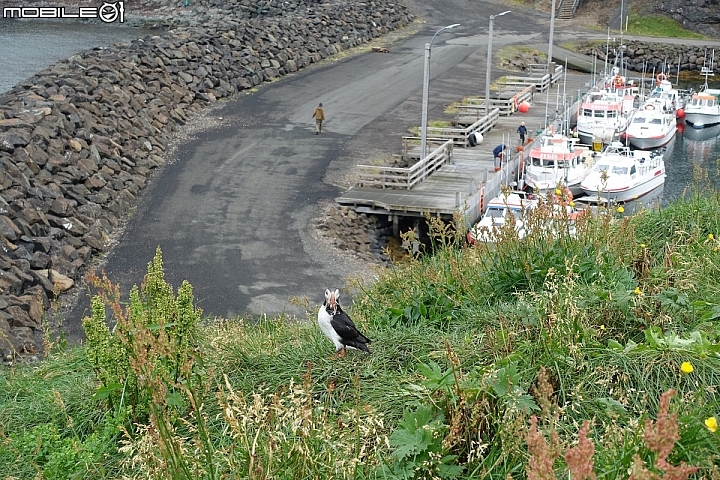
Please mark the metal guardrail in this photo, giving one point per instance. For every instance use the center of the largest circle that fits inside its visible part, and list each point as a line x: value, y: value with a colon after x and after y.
x: 405, y: 178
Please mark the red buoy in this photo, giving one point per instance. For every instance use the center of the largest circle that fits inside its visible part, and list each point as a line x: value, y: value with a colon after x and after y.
x: 524, y: 107
x: 680, y: 113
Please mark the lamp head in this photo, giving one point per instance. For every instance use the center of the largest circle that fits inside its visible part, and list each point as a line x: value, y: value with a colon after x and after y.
x: 500, y: 14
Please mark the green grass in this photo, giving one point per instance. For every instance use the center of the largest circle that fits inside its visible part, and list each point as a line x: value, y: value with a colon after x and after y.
x: 658, y: 26
x: 468, y: 343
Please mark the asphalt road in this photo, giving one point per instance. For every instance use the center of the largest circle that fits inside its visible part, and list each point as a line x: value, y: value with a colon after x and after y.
x: 232, y: 212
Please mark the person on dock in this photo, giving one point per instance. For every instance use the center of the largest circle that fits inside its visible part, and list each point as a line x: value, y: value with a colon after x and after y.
x: 522, y: 130
x: 498, y: 154
x: 319, y: 116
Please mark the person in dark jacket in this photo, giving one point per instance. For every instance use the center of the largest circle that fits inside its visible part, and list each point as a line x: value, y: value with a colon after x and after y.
x: 523, y: 133
x: 498, y: 151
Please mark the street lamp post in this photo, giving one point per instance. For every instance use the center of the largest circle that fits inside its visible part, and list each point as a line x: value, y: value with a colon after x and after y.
x: 552, y: 33
x: 489, y: 62
x: 426, y: 88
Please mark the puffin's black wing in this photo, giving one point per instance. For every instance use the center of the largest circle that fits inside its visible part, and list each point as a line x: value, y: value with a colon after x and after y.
x: 349, y: 334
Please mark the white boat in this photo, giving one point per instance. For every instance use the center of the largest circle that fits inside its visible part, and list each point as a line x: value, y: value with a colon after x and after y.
x: 651, y: 127
x: 621, y: 174
x: 500, y: 210
x: 604, y: 113
x: 558, y: 160
x: 703, y: 109
x: 654, y: 124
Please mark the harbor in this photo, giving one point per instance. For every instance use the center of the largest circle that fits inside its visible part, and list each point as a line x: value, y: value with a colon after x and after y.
x: 461, y: 174
x: 468, y: 175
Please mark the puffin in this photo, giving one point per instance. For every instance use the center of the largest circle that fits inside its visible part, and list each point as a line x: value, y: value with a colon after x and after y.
x: 337, y: 326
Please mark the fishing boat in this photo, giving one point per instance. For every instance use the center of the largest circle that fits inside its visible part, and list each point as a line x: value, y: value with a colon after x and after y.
x: 558, y: 159
x: 604, y: 113
x: 654, y: 124
x: 703, y: 109
x: 501, y: 209
x: 621, y: 174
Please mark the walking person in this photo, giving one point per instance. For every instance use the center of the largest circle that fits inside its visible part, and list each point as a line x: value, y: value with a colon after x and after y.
x: 523, y: 132
x: 319, y: 116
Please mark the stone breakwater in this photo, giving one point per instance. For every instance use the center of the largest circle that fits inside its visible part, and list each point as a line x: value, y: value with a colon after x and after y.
x: 79, y: 140
x: 657, y: 56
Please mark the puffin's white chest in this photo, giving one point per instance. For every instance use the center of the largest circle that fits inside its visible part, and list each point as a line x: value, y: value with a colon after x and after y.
x: 324, y: 319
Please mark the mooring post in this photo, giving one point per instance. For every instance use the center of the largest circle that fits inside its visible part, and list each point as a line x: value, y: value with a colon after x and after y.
x: 396, y: 225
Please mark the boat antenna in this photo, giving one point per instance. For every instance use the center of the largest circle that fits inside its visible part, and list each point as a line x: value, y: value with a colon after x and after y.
x: 565, y: 103
x: 607, y: 51
x: 547, y: 104
x: 677, y: 78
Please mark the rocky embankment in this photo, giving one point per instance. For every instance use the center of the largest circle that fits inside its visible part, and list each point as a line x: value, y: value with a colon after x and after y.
x: 79, y: 140
x: 639, y: 56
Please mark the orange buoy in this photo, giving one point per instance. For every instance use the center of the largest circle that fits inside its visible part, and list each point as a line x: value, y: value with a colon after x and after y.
x: 680, y: 113
x: 524, y: 107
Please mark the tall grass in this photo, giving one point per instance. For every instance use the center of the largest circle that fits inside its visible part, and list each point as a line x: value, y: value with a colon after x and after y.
x: 481, y: 354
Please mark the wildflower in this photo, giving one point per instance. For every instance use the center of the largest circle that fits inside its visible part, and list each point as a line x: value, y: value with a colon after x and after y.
x: 686, y: 367
x: 711, y: 236
x: 715, y: 249
x: 620, y: 209
x: 642, y: 245
x: 711, y: 424
x: 558, y: 191
x: 572, y: 204
x: 638, y: 291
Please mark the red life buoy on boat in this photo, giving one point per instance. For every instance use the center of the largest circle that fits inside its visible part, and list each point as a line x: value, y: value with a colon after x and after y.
x: 618, y: 81
x: 649, y: 107
x: 660, y: 78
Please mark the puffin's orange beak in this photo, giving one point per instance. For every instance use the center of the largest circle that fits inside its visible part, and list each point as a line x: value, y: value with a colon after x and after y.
x: 332, y: 301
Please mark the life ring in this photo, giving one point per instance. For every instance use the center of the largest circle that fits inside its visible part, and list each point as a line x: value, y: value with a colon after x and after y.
x: 660, y: 78
x: 618, y: 81
x: 649, y: 107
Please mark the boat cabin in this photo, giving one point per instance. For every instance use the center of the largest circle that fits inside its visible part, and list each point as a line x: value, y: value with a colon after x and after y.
x: 703, y: 100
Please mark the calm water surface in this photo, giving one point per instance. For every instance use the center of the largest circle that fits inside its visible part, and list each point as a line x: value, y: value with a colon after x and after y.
x: 29, y: 46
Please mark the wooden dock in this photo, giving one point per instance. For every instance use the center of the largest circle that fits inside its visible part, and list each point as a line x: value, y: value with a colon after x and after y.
x: 465, y: 179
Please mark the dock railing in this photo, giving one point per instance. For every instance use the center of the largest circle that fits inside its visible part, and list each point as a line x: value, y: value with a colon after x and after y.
x: 507, y: 104
x: 404, y: 178
x: 460, y: 136
x: 542, y: 82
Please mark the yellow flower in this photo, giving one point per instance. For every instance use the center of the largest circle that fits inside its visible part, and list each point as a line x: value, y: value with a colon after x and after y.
x: 711, y: 424
x: 638, y: 291
x: 686, y: 367
x: 558, y: 191
x: 711, y: 236
x: 642, y: 245
x: 572, y: 204
x: 620, y: 209
x: 715, y: 249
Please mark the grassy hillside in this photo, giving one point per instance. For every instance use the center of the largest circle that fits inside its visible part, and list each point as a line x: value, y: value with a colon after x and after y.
x: 551, y: 357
